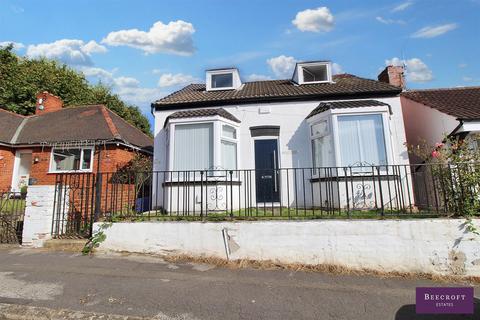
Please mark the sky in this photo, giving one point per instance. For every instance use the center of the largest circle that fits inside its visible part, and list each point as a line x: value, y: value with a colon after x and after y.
x: 145, y: 50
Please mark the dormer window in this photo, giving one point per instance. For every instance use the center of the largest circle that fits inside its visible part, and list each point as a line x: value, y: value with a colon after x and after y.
x: 223, y: 79
x: 313, y: 72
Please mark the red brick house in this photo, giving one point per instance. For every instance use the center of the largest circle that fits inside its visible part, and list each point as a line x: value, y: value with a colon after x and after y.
x: 80, y: 139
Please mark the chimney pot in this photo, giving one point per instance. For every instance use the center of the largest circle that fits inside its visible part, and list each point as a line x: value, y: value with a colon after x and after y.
x: 47, y: 102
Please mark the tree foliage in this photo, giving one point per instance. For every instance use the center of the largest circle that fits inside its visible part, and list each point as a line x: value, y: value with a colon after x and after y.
x: 22, y: 78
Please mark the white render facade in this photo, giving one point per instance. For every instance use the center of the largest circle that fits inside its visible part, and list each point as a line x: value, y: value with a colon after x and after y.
x: 294, y: 140
x: 304, y: 146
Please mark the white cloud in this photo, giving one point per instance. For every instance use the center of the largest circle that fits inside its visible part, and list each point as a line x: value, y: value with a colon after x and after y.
x: 99, y: 73
x: 314, y: 20
x: 93, y: 47
x: 126, y: 82
x: 69, y: 51
x: 337, y: 69
x: 16, y: 45
x: 170, y: 79
x: 282, y: 66
x: 174, y: 37
x: 389, y: 21
x: 402, y: 6
x: 415, y: 69
x: 434, y: 31
x: 138, y: 95
x: 258, y: 77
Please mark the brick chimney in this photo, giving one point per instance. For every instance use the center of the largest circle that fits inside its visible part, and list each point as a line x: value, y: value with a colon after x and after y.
x: 393, y: 75
x: 47, y: 102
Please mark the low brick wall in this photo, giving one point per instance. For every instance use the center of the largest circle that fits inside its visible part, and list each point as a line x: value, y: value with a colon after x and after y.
x: 437, y: 246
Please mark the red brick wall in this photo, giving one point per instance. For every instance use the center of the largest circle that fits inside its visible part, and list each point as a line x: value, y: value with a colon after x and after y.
x: 111, y: 158
x: 7, y: 158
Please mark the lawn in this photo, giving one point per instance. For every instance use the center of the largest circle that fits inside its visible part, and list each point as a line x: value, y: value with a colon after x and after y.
x: 253, y: 214
x: 12, y: 206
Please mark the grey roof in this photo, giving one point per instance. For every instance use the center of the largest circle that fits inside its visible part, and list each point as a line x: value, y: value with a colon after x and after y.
x: 80, y: 123
x: 9, y: 122
x: 200, y: 113
x: 343, y: 87
x: 324, y: 106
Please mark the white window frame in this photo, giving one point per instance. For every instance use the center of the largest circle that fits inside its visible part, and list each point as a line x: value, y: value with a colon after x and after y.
x: 332, y: 117
x: 328, y: 66
x: 230, y: 140
x: 51, y: 166
x: 386, y: 135
x: 318, y: 136
x: 217, y: 122
x: 236, y: 82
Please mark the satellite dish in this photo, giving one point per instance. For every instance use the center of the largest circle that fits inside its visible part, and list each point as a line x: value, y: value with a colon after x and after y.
x: 41, y: 107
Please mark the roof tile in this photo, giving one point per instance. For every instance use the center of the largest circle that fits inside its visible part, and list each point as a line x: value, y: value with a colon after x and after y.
x: 462, y: 103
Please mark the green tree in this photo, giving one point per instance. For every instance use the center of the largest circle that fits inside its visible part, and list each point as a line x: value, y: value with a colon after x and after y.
x: 21, y: 78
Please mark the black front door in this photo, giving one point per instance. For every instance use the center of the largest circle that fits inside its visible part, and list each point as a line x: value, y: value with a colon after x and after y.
x: 266, y: 174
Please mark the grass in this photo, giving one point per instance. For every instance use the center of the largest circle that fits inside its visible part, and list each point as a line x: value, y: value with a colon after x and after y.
x: 10, y: 206
x: 254, y: 214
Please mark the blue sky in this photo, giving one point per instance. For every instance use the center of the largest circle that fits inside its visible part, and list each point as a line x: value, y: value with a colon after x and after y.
x: 147, y: 49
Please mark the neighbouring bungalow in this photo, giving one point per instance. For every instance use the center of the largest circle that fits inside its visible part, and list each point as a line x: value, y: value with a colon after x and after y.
x: 433, y: 114
x: 316, y: 140
x: 77, y: 139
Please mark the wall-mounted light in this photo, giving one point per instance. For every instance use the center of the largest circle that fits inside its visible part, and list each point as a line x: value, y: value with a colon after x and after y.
x: 36, y: 160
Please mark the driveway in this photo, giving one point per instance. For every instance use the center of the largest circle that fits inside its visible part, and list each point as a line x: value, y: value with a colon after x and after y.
x: 151, y: 287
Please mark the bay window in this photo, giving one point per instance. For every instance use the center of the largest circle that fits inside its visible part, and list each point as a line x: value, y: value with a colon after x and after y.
x: 362, y: 140
x: 229, y: 147
x: 71, y: 159
x: 321, y: 144
x: 204, y: 146
x: 193, y: 147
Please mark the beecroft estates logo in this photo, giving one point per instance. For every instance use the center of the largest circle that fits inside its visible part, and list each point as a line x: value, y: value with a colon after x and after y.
x: 435, y: 300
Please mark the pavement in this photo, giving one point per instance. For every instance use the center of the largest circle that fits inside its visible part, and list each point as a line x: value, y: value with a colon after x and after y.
x: 39, y: 284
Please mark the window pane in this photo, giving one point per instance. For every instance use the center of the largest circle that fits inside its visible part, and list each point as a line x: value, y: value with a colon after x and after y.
x: 315, y: 73
x: 321, y: 152
x: 229, y: 132
x: 362, y: 140
x: 87, y: 159
x: 229, y: 155
x: 193, y: 147
x: 68, y: 159
x: 320, y: 128
x: 222, y: 80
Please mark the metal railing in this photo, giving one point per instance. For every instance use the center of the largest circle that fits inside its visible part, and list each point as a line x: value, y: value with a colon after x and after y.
x: 287, y: 193
x: 12, y: 211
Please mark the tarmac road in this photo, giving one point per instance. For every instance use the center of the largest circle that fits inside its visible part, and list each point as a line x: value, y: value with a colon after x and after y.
x: 151, y: 287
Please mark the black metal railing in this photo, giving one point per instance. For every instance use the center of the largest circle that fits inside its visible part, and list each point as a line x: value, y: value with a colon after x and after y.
x: 287, y: 193
x: 12, y: 211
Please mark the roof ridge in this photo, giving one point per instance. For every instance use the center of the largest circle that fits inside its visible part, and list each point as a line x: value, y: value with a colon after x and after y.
x: 128, y: 123
x: 442, y: 89
x: 19, y: 130
x: 111, y: 126
x: 13, y: 113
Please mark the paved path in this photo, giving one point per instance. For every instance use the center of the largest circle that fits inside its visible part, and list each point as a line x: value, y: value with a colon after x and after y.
x: 150, y: 287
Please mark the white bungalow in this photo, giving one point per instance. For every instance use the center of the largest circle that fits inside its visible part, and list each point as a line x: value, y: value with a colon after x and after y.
x: 316, y: 141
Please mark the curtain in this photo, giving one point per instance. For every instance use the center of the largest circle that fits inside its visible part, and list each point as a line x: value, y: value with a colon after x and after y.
x: 193, y: 147
x: 362, y: 140
x: 229, y: 155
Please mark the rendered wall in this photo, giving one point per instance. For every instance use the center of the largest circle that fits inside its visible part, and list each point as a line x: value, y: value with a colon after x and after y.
x: 438, y: 246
